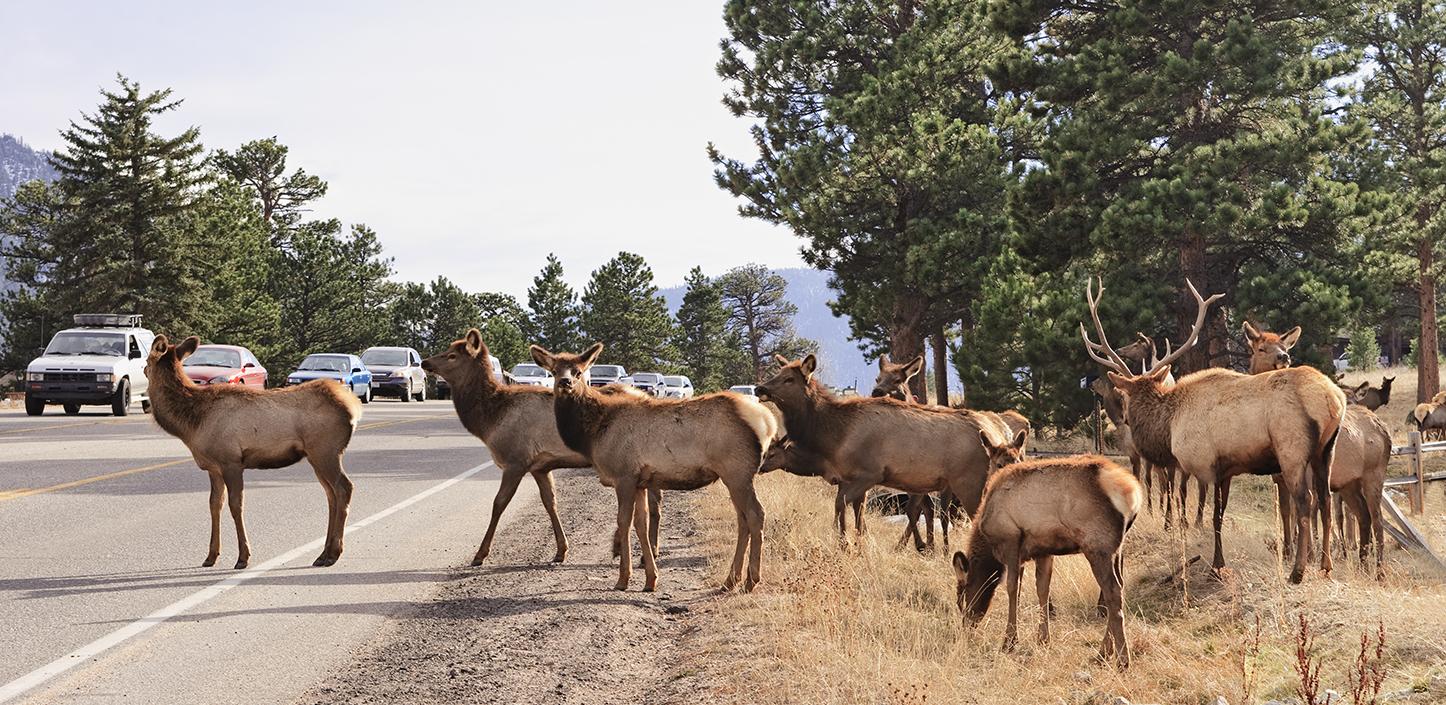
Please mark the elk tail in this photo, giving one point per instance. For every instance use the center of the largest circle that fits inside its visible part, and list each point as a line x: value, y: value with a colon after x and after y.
x: 1123, y: 490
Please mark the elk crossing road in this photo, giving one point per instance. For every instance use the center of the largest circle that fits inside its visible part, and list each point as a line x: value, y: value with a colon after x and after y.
x: 104, y: 524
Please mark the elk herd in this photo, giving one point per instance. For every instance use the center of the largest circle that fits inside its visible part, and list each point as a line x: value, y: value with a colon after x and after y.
x: 1292, y: 423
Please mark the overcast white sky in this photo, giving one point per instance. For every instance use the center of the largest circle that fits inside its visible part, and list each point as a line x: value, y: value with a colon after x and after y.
x: 475, y: 137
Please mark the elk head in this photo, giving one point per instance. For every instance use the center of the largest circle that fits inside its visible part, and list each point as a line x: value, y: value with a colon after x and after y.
x: 569, y: 371
x: 791, y: 387
x: 975, y: 579
x: 893, y: 380
x: 1269, y: 351
x: 1006, y: 453
x: 165, y: 358
x: 463, y: 361
x: 1155, y: 379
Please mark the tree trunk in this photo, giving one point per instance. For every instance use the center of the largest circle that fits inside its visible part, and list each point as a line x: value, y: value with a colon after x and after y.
x: 941, y: 367
x: 1428, y: 379
x: 1194, y: 267
x: 906, y: 337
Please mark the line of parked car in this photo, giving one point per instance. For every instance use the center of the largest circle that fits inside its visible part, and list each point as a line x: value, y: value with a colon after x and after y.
x: 101, y: 362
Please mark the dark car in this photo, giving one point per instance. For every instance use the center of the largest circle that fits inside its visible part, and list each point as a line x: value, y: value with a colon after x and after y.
x: 225, y: 364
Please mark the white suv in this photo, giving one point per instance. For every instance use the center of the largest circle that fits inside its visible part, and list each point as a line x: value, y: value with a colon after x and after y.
x: 101, y: 361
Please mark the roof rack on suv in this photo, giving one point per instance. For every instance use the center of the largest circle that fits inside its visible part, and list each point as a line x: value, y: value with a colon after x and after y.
x: 108, y: 320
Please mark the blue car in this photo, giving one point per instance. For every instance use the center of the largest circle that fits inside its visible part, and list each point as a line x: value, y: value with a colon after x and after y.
x: 347, y: 369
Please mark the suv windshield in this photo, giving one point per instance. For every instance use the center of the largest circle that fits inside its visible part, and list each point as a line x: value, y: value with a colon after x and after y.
x: 112, y: 344
x: 607, y: 371
x: 386, y: 358
x: 673, y: 381
x: 324, y: 363
x: 647, y: 377
x: 213, y: 357
x: 528, y: 371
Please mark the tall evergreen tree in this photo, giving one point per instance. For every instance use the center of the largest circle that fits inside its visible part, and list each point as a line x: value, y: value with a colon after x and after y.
x: 120, y: 223
x: 1404, y: 98
x: 239, y: 263
x: 622, y: 310
x: 1191, y: 140
x: 760, y: 316
x: 554, y: 309
x: 260, y: 166
x: 505, y: 327
x: 704, y: 344
x: 334, y: 290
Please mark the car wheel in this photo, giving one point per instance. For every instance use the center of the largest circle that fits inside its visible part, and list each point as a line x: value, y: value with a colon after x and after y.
x: 407, y: 393
x: 422, y: 393
x: 146, y: 406
x: 33, y: 406
x: 71, y: 409
x: 121, y: 404
x: 366, y: 396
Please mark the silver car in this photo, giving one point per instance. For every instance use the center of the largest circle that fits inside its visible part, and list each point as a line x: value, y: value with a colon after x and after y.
x: 530, y: 374
x: 650, y: 382
x: 676, y: 387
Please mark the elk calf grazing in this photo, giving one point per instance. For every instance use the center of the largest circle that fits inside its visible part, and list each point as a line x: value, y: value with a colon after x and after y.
x: 516, y: 424
x: 1041, y: 509
x: 638, y: 444
x: 231, y: 427
x: 1217, y: 423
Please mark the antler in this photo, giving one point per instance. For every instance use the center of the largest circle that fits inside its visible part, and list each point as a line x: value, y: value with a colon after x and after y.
x: 1202, y: 305
x: 1114, y: 361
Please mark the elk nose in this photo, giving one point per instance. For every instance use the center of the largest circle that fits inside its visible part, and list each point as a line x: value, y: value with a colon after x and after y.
x: 427, y: 364
x: 1283, y: 359
x: 878, y: 393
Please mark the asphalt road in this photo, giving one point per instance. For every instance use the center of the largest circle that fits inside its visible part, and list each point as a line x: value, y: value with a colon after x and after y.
x: 104, y: 523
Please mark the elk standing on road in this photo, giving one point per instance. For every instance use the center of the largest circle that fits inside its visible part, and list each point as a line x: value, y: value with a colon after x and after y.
x: 637, y: 444
x: 1217, y: 423
x: 1041, y: 509
x: 516, y: 424
x: 231, y: 427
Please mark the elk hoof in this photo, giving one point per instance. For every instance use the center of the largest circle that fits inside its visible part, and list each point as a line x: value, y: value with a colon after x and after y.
x: 651, y: 585
x: 559, y: 558
x: 621, y: 586
x: 241, y: 563
x: 210, y: 561
x: 323, y: 561
x: 1296, y: 576
x: 477, y: 559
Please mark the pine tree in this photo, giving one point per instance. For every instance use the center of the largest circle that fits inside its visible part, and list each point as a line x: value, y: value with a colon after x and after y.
x: 260, y: 166
x: 1404, y: 98
x: 622, y: 310
x: 334, y: 290
x: 761, y: 317
x: 239, y: 272
x: 704, y: 344
x: 553, y: 322
x: 119, y: 223
x: 505, y: 327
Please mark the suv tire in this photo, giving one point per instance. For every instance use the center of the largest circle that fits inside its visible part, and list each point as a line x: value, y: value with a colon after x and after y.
x: 33, y: 406
x: 120, y: 405
x: 71, y: 409
x: 366, y: 397
x: 407, y: 393
x: 422, y: 393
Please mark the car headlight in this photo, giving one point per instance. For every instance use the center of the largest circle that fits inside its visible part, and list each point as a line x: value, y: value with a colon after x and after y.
x: 220, y: 379
x: 102, y: 377
x: 34, y: 376
x: 293, y: 380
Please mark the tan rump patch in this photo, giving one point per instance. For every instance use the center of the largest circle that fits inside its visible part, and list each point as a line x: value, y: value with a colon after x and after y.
x: 1123, y: 489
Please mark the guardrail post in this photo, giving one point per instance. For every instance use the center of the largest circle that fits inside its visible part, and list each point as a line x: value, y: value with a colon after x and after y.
x: 1099, y: 429
x: 1418, y: 465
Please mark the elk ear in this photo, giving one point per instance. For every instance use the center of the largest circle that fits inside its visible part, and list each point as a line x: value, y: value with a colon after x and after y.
x: 542, y: 357
x: 915, y: 366
x: 1290, y: 337
x: 187, y: 347
x: 809, y: 364
x: 780, y: 359
x: 987, y: 441
x: 961, y: 565
x: 1121, y: 382
x: 1021, y: 438
x: 1386, y: 381
x: 883, y: 362
x: 473, y: 341
x: 161, y: 345
x: 589, y: 355
x: 1161, y: 374
x: 1251, y: 332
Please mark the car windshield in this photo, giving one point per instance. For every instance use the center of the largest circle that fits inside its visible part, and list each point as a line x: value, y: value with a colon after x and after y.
x: 324, y: 363
x: 646, y: 377
x: 386, y: 358
x: 673, y: 381
x: 742, y: 389
x: 213, y: 357
x: 87, y: 344
x: 607, y: 371
x: 528, y: 371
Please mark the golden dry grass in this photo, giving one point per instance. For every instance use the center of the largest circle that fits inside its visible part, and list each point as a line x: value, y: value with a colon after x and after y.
x: 870, y: 623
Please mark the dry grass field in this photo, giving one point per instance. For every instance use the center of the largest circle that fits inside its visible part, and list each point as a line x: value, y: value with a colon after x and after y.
x: 871, y: 623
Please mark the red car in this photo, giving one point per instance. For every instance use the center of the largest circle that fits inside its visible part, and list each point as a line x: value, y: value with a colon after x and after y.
x: 225, y: 364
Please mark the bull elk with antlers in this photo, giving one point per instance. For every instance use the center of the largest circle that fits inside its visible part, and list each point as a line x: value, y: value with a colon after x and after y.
x: 1217, y: 423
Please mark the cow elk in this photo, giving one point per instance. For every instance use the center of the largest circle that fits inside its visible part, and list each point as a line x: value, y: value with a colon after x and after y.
x: 1430, y: 419
x: 1217, y: 423
x: 861, y: 442
x: 638, y: 444
x: 1041, y: 509
x: 1358, y: 476
x: 1374, y: 398
x: 231, y: 427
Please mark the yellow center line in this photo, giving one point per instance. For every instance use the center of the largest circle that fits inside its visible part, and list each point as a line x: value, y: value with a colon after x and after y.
x: 380, y: 424
x: 65, y: 425
x: 16, y: 494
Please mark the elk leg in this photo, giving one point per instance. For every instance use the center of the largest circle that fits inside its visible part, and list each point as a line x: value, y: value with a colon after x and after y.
x: 912, y: 510
x: 1043, y: 570
x: 946, y: 514
x: 627, y: 496
x: 511, y: 476
x: 1350, y: 495
x: 1106, y: 569
x: 655, y: 518
x: 338, y: 496
x: 546, y: 491
x: 1222, y: 497
x: 234, y: 488
x: 1322, y: 499
x: 1200, y: 502
x: 1167, y: 496
x: 1371, y: 499
x: 1184, y: 481
x: 755, y: 535
x: 1011, y: 585
x: 1287, y: 522
x: 1303, y: 510
x: 929, y: 520
x: 218, y: 495
x: 838, y: 509
x: 858, y: 504
x: 645, y: 544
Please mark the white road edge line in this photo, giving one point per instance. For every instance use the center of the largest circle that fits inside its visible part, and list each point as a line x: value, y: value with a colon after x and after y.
x: 39, y: 676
